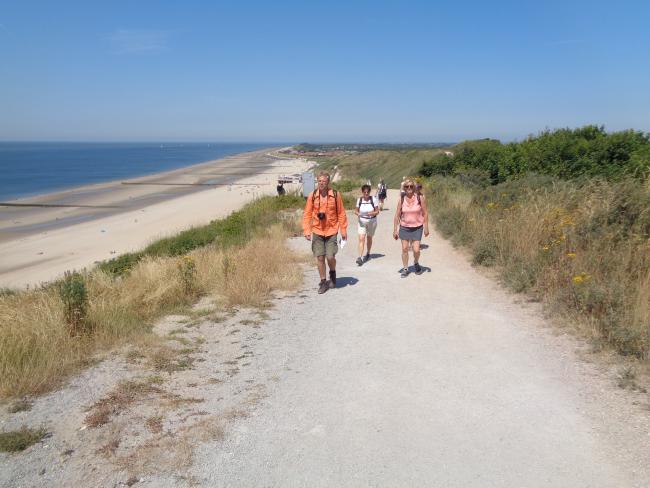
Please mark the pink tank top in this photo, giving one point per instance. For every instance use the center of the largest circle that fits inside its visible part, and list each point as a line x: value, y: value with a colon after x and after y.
x: 411, y: 212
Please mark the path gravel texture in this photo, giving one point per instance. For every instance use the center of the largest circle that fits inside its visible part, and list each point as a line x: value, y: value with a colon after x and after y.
x: 441, y: 379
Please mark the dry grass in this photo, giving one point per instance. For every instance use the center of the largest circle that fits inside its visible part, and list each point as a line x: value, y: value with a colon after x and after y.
x: 154, y: 424
x: 582, y: 249
x: 169, y: 453
x: 38, y: 352
x: 123, y: 396
x: 248, y: 275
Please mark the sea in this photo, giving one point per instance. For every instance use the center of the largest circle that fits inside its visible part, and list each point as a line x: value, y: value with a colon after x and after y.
x: 34, y: 168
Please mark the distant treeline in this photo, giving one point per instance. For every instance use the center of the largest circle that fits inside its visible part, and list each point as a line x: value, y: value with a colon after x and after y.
x: 564, y: 153
x: 369, y: 147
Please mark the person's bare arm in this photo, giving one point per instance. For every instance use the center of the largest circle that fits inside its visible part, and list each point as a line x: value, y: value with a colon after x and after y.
x: 398, y: 216
x: 425, y: 214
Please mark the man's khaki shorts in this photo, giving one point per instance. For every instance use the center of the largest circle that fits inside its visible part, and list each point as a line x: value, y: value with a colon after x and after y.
x: 324, y: 246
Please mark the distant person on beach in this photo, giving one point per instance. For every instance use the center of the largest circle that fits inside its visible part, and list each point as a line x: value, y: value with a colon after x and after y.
x: 412, y: 217
x: 280, y: 188
x: 323, y: 217
x: 381, y: 193
x: 367, y: 210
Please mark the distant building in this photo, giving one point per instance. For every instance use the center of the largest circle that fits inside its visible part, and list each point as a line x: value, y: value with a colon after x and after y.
x: 449, y: 154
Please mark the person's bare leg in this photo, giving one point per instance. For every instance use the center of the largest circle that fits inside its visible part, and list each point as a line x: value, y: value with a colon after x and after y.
x: 405, y: 253
x: 369, y: 245
x: 362, y: 239
x: 416, y: 251
x: 321, y: 267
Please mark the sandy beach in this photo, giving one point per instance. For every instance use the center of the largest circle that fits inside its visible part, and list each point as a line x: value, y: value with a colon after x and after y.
x: 76, y: 228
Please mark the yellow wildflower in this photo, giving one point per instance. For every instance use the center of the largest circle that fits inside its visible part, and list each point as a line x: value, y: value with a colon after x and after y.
x: 571, y: 255
x: 490, y: 205
x: 581, y: 278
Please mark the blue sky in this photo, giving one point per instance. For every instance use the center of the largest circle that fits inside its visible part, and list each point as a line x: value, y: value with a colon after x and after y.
x: 320, y: 71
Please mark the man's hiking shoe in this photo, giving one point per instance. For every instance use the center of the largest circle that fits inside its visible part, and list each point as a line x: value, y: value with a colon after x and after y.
x: 418, y: 268
x: 366, y: 258
x: 332, y: 279
x: 404, y: 273
x: 359, y: 261
x: 323, y: 287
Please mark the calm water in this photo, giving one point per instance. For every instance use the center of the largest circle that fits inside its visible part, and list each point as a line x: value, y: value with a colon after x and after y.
x: 35, y: 168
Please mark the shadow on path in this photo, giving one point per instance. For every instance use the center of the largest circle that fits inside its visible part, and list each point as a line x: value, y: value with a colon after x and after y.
x: 425, y: 269
x: 343, y: 281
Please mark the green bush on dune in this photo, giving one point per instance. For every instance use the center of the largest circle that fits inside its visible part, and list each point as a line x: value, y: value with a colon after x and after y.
x: 564, y: 153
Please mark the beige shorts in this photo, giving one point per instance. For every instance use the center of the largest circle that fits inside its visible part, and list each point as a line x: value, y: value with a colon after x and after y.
x: 367, y: 227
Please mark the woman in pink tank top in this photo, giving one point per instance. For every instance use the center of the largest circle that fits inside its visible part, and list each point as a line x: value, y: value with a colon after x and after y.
x: 412, y: 218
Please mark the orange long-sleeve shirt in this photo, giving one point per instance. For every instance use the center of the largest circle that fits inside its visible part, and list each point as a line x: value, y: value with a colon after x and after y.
x: 333, y: 220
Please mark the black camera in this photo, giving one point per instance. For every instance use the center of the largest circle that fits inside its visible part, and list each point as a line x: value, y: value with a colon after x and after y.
x: 321, y: 215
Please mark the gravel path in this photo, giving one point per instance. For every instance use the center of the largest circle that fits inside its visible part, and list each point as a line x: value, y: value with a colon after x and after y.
x: 433, y: 380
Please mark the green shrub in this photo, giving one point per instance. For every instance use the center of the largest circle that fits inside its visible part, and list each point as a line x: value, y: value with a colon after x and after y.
x: 6, y: 292
x: 72, y: 290
x: 19, y: 440
x: 121, y: 264
x: 520, y: 275
x: 187, y: 270
x: 484, y: 253
x: 587, y: 151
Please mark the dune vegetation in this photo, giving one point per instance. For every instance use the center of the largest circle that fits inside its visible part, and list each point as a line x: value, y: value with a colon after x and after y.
x: 49, y: 332
x: 564, y: 216
x: 391, y: 165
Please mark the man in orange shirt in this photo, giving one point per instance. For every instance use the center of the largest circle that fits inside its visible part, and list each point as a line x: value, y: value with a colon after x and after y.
x: 322, y: 218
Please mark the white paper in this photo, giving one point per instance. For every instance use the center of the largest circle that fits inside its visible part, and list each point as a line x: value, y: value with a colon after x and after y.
x: 342, y: 243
